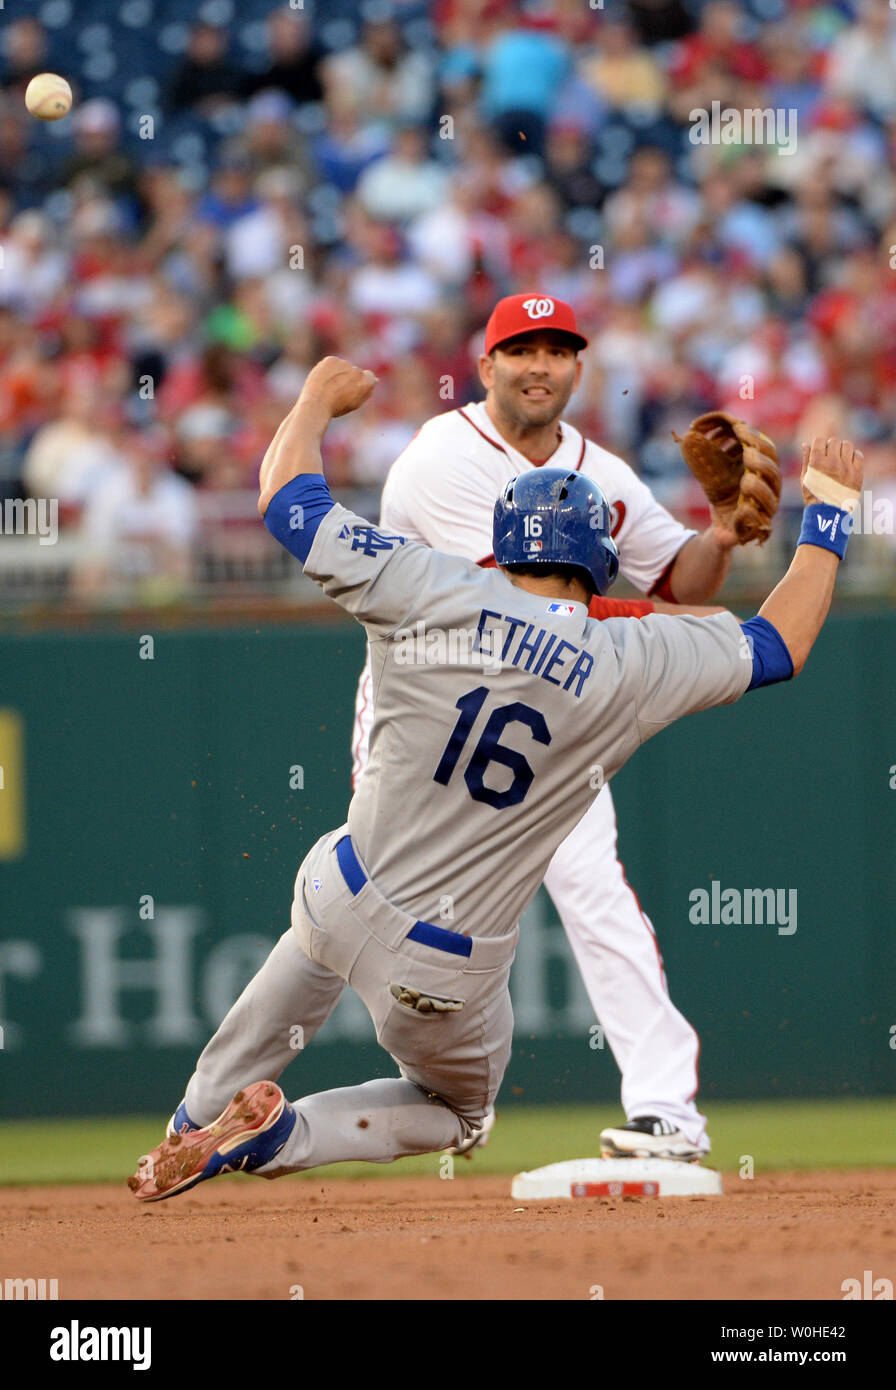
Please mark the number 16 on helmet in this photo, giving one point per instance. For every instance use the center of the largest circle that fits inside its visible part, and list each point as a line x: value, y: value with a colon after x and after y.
x: 549, y: 516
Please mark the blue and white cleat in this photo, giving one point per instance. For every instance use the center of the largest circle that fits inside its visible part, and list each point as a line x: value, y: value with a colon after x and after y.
x: 248, y: 1133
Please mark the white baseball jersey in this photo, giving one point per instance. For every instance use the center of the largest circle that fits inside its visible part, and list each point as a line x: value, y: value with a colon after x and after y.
x: 442, y: 490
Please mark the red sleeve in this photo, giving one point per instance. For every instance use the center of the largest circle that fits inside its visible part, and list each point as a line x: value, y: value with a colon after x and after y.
x: 601, y: 608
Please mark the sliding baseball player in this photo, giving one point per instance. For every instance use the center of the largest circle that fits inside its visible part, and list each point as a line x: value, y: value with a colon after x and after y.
x: 481, y: 761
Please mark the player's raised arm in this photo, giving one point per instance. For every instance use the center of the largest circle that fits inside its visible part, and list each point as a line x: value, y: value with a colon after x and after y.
x: 796, y: 610
x: 333, y: 388
x: 374, y: 574
x: 691, y: 664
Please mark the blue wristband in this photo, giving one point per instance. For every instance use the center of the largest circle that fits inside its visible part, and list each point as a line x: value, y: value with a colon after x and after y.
x: 827, y: 527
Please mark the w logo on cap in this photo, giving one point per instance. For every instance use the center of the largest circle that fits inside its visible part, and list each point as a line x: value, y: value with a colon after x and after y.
x: 538, y: 308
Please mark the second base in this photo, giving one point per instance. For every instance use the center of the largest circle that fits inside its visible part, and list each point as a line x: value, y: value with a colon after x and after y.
x: 617, y: 1177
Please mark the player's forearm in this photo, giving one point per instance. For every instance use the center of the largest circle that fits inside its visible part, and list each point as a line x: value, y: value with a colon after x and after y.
x: 792, y: 616
x: 295, y: 448
x: 798, y: 606
x: 332, y: 388
x: 700, y: 568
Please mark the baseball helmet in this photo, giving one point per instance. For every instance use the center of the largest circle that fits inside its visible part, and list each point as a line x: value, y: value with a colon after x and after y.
x: 550, y: 516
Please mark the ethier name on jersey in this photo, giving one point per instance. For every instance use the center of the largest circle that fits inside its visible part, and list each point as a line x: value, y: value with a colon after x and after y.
x: 535, y: 650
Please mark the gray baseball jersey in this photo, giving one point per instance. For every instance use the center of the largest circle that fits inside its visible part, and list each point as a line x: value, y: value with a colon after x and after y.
x: 499, y: 716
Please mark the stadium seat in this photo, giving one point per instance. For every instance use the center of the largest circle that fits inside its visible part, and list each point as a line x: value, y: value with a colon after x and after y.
x: 615, y: 140
x: 338, y: 33
x: 174, y: 37
x: 142, y: 93
x: 57, y: 14
x: 251, y: 37
x: 95, y: 36
x: 136, y: 14
x: 100, y: 67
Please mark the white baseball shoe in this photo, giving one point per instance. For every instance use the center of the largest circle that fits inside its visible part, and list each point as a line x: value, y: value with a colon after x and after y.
x: 477, y: 1140
x: 647, y: 1136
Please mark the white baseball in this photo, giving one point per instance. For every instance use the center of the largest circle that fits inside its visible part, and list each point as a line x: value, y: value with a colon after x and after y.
x: 49, y: 97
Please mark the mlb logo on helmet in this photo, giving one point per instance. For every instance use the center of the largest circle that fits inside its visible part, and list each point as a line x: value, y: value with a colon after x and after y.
x: 532, y: 547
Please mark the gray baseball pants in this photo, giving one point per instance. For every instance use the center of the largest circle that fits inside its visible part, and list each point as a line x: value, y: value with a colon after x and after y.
x: 451, y: 1062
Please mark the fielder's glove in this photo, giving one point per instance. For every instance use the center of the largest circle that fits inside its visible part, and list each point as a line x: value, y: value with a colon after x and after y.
x: 737, y: 467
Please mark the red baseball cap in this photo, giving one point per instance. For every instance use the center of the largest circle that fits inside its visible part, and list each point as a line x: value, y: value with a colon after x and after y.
x: 530, y: 313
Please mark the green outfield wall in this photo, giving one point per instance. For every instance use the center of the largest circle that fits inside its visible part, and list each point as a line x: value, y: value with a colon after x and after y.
x: 160, y: 786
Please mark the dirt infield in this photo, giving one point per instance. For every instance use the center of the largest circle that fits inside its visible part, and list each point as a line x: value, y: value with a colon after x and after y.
x: 791, y: 1235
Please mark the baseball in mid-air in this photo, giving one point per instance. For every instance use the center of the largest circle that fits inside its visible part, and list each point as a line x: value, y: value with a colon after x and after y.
x: 48, y: 96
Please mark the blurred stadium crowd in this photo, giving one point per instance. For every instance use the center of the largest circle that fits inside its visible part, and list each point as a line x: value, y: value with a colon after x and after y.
x: 245, y: 185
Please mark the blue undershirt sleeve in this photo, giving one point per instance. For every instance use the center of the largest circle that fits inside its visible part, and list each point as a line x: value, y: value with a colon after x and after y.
x: 771, y: 659
x: 295, y: 512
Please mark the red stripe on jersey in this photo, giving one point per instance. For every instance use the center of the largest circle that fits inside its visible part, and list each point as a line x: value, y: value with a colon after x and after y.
x: 662, y: 588
x: 494, y: 443
x: 539, y: 463
x: 536, y: 463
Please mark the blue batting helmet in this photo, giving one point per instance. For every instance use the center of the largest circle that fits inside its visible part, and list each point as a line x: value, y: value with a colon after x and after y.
x: 550, y: 516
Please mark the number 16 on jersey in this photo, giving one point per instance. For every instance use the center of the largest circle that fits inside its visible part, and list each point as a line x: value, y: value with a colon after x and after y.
x: 489, y: 750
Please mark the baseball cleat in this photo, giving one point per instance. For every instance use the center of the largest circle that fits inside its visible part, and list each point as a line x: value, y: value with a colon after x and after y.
x: 180, y: 1122
x: 248, y: 1133
x: 648, y: 1137
x: 478, y: 1139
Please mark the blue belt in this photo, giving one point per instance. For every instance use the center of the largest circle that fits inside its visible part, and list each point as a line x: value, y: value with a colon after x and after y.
x: 424, y: 932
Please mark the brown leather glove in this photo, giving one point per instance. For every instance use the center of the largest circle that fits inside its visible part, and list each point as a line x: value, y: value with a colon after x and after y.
x: 737, y: 467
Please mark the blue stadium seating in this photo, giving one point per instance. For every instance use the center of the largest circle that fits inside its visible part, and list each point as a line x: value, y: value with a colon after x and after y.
x: 106, y: 46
